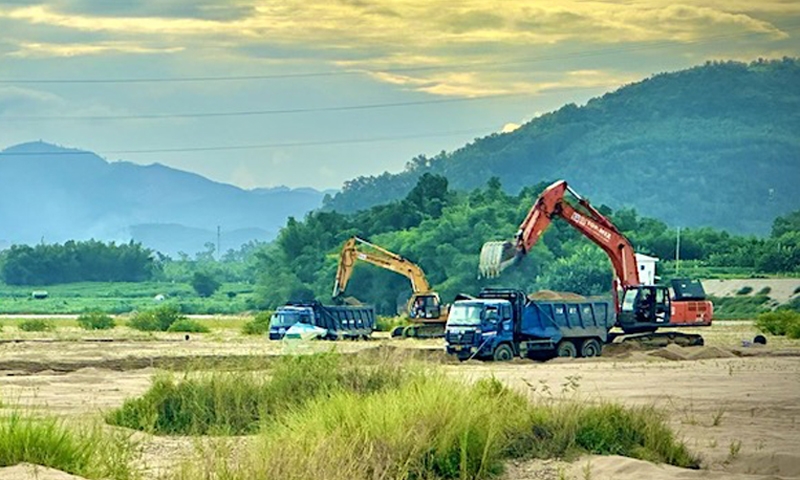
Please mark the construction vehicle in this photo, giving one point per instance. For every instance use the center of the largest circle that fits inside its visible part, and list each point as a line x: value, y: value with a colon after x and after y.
x: 338, y: 322
x: 503, y: 323
x: 641, y: 309
x: 424, y: 309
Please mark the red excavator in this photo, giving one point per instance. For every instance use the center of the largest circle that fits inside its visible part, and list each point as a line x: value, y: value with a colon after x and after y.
x: 640, y: 308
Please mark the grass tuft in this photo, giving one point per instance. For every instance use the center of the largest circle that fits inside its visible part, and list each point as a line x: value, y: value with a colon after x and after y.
x: 89, y: 452
x: 156, y: 320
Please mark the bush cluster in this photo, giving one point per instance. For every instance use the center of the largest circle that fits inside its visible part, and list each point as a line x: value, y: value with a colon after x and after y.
x: 36, y: 325
x: 159, y: 319
x: 258, y: 325
x: 780, y: 322
x: 95, y: 321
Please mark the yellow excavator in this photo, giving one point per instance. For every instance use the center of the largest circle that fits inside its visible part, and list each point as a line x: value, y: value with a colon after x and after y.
x: 424, y: 309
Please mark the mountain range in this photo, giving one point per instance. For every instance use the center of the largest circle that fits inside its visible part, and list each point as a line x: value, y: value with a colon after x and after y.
x: 53, y: 194
x: 715, y: 145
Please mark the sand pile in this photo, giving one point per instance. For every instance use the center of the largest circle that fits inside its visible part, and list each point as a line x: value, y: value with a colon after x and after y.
x: 677, y: 353
x: 553, y: 295
x: 26, y: 471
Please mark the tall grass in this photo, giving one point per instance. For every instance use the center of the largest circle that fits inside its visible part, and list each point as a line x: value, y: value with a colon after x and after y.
x: 234, y: 403
x: 86, y: 451
x: 429, y: 426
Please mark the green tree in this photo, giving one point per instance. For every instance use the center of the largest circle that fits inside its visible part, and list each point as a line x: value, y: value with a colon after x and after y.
x: 204, y: 284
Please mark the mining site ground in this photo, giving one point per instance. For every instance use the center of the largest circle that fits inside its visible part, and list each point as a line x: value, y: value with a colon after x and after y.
x: 736, y: 406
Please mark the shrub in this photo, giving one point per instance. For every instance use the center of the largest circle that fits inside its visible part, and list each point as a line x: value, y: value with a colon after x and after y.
x: 36, y: 325
x: 779, y: 322
x: 796, y: 290
x: 189, y: 326
x: 746, y: 290
x: 95, y: 321
x: 156, y: 320
x: 259, y: 325
x: 88, y: 452
x: 765, y: 291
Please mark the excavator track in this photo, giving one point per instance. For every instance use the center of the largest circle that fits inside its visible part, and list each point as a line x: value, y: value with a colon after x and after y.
x: 421, y: 331
x: 649, y: 340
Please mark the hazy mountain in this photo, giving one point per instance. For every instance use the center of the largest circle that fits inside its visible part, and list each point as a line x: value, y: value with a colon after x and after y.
x: 56, y: 194
x: 715, y: 145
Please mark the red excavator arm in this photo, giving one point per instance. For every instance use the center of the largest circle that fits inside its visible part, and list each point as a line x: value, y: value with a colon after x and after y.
x: 645, y: 307
x: 497, y: 256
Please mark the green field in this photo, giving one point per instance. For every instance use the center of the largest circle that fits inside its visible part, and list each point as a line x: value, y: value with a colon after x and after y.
x: 116, y: 298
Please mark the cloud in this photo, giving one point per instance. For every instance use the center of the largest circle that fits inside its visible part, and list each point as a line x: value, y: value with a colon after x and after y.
x: 509, y: 127
x: 472, y: 43
x: 79, y: 49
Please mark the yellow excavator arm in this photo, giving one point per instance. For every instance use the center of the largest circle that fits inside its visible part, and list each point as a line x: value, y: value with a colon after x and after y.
x: 380, y: 257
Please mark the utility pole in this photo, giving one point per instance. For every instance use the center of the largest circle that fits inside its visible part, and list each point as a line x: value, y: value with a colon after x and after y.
x: 678, y: 252
x: 218, y: 241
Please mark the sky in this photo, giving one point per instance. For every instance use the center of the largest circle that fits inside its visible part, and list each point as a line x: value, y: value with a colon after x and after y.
x: 262, y: 93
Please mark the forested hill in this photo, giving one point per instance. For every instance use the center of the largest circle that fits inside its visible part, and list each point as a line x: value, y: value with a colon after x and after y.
x: 716, y: 145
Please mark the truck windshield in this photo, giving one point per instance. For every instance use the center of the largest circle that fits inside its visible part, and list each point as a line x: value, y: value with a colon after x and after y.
x: 629, y: 300
x: 465, y: 315
x: 284, y: 319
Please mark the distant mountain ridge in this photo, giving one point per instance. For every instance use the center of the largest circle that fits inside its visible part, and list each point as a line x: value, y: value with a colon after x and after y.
x: 57, y: 194
x: 716, y: 145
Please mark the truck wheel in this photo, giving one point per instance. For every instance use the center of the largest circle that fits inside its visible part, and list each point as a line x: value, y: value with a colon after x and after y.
x: 503, y: 353
x: 591, y: 348
x: 567, y: 349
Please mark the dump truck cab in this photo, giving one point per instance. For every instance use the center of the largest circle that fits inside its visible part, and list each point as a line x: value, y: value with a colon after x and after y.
x: 287, y: 316
x: 476, y: 327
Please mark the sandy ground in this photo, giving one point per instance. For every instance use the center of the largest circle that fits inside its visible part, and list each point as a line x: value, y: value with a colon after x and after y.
x: 737, y: 407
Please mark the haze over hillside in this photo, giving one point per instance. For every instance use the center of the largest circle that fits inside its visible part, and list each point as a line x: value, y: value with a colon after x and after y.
x: 56, y: 194
x: 716, y: 145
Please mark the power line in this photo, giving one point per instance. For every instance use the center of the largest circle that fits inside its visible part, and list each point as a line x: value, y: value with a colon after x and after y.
x: 340, y: 108
x: 336, y: 73
x: 288, y: 111
x: 217, y: 148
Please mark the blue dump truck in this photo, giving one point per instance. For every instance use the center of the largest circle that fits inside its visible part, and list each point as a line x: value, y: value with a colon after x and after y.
x: 338, y: 322
x: 500, y: 324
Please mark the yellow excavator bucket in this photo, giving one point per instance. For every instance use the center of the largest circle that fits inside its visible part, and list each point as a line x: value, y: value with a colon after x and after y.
x: 496, y: 257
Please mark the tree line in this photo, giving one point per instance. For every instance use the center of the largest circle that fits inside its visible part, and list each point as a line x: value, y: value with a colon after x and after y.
x: 443, y: 231
x: 82, y: 261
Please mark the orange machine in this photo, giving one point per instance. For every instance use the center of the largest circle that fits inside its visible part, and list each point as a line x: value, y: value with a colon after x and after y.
x: 640, y: 308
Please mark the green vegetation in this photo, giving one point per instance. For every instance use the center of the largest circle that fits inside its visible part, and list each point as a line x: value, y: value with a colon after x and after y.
x: 125, y: 297
x: 36, y: 325
x: 780, y: 322
x: 188, y: 325
x: 91, y: 261
x: 387, y: 324
x: 740, y: 307
x: 89, y: 452
x: 259, y: 325
x: 205, y: 284
x: 222, y: 403
x: 720, y: 117
x: 746, y: 290
x: 95, y: 321
x: 443, y: 232
x: 421, y: 424
x: 159, y: 319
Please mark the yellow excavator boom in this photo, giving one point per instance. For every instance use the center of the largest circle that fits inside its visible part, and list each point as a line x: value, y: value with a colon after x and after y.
x: 380, y: 257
